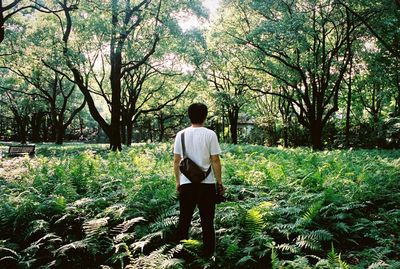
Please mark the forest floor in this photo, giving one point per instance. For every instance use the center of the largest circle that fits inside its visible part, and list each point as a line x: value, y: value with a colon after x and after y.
x: 81, y: 206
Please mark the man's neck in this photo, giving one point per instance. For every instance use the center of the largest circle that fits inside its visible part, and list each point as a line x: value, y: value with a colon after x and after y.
x: 197, y: 125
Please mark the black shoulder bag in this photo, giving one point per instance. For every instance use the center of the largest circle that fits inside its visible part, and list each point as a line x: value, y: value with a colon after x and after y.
x: 189, y: 168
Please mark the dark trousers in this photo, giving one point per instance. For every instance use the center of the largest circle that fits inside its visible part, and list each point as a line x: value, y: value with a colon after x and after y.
x: 202, y: 195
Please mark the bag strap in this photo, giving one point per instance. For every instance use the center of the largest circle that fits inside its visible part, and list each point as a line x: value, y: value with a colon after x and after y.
x: 183, y: 144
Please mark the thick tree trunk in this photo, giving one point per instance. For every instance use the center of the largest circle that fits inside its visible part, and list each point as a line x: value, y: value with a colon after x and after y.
x: 35, y: 125
x: 60, y: 133
x: 234, y: 132
x: 115, y: 78
x: 124, y: 138
x: 115, y: 135
x: 316, y: 135
x: 22, y: 131
x: 45, y: 129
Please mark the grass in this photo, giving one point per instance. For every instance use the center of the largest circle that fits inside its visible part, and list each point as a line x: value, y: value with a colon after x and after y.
x: 79, y: 205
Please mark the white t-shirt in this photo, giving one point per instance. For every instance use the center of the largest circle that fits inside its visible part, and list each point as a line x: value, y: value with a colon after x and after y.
x: 200, y: 144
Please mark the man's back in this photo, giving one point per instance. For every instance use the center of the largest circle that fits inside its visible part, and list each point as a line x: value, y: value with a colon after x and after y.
x: 200, y: 144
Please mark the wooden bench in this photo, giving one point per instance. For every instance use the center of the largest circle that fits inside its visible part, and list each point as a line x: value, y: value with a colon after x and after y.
x: 21, y: 150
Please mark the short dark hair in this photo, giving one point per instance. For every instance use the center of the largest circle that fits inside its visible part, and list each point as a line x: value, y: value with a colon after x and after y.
x: 197, y: 113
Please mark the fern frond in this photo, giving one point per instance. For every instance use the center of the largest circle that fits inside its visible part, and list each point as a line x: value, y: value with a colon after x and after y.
x: 307, y: 243
x: 126, y: 225
x: 288, y: 248
x: 311, y: 213
x: 92, y: 226
x: 116, y: 210
x: 192, y: 244
x: 246, y: 259
x: 145, y: 240
x: 254, y: 222
x: 274, y: 259
x: 62, y: 251
x: 8, y: 258
x: 378, y: 264
x: 123, y: 237
x: 50, y: 238
x: 342, y: 227
x: 172, y: 263
x: 9, y: 251
x: 319, y: 235
x: 156, y: 259
x: 335, y: 259
x: 163, y: 224
x: 36, y: 226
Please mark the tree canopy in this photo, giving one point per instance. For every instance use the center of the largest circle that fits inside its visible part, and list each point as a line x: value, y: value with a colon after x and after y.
x: 278, y: 72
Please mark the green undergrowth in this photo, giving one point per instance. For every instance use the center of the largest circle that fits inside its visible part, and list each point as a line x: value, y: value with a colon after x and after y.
x: 80, y: 206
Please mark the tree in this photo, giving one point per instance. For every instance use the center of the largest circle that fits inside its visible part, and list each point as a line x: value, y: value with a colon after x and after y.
x: 60, y: 96
x: 381, y: 19
x: 9, y: 10
x: 130, y: 32
x: 303, y: 45
x: 19, y: 104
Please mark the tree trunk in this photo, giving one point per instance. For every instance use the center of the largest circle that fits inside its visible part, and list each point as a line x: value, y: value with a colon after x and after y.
x: 60, y: 133
x: 286, y: 133
x: 397, y: 102
x: 316, y: 135
x: 233, y: 124
x: 81, y: 126
x: 150, y: 130
x: 45, y: 129
x: 162, y: 128
x: 218, y: 130
x: 22, y: 130
x: 2, y: 30
x: 348, y: 108
x: 35, y: 125
x: 115, y: 78
x: 129, y: 130
x: 124, y: 138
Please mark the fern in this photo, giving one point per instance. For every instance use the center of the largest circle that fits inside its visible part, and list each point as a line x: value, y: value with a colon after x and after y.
x: 288, y: 248
x: 335, y: 260
x: 253, y: 222
x: 378, y: 264
x: 311, y: 213
x: 10, y: 255
x: 126, y: 225
x: 144, y: 241
x: 166, y: 220
x: 62, y: 251
x: 319, y: 235
x: 306, y: 242
x: 35, y: 227
x: 156, y: 259
x: 93, y: 226
x: 245, y: 260
x: 274, y: 259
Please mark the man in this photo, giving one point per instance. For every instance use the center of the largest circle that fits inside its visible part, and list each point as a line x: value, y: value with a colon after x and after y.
x: 201, y: 146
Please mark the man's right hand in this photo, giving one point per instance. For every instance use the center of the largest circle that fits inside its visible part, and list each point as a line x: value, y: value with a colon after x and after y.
x: 221, y: 189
